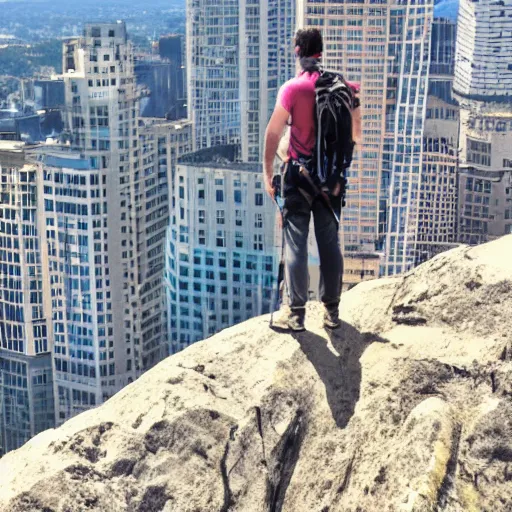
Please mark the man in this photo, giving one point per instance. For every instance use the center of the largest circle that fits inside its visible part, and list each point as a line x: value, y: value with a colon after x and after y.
x: 296, y: 103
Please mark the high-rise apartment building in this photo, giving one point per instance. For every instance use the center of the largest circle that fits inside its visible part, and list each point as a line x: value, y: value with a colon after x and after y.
x: 385, y: 47
x: 102, y: 108
x: 26, y: 381
x: 221, y: 250
x: 483, y: 87
x: 484, y: 38
x: 438, y: 201
x: 161, y: 144
x: 239, y: 52
x: 82, y: 251
x: 124, y: 205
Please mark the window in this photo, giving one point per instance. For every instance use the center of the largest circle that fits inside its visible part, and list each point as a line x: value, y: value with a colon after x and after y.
x: 507, y: 163
x: 478, y: 152
x: 202, y: 216
x: 258, y: 242
x: 219, y: 195
x: 220, y: 217
x: 239, y: 239
x: 237, y: 196
x: 202, y: 237
x: 258, y: 199
x: 221, y: 238
x: 258, y: 220
x: 238, y: 216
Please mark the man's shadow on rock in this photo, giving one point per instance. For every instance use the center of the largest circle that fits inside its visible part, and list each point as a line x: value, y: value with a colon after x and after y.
x: 341, y: 374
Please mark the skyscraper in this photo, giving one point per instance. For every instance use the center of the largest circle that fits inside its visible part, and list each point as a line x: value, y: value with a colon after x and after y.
x: 483, y: 87
x: 171, y: 49
x: 82, y: 251
x: 163, y: 90
x: 239, y: 52
x: 385, y: 47
x: 26, y: 382
x: 484, y: 37
x: 161, y: 144
x: 101, y: 100
x: 438, y: 202
x: 108, y: 286
x: 48, y: 94
x: 221, y: 252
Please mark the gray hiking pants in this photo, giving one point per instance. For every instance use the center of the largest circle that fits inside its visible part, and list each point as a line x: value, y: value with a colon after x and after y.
x: 297, y: 214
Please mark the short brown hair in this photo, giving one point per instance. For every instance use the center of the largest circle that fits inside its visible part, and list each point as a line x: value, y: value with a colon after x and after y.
x: 309, y: 42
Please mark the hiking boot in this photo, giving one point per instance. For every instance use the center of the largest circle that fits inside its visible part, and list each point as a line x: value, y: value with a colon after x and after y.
x: 331, y: 317
x: 290, y: 319
x: 296, y: 320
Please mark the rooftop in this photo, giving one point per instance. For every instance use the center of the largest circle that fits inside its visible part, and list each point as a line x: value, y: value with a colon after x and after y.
x: 220, y: 157
x: 55, y: 155
x: 12, y: 145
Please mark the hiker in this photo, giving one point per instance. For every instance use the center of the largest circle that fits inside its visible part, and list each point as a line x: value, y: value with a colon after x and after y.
x: 304, y: 191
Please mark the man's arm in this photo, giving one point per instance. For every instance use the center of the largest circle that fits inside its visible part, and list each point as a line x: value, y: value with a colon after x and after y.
x: 273, y: 135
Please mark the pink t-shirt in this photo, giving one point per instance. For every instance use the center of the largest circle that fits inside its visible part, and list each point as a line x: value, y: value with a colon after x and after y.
x: 297, y: 96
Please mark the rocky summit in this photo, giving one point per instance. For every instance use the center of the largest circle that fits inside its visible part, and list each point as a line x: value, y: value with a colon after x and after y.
x: 406, y: 407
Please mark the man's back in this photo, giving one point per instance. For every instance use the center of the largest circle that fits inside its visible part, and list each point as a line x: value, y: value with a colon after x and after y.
x: 297, y: 97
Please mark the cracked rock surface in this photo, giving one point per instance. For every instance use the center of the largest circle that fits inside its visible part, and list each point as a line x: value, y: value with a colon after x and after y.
x: 407, y: 407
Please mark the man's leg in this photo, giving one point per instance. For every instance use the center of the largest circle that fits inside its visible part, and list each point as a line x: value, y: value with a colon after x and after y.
x: 331, y: 261
x: 297, y: 214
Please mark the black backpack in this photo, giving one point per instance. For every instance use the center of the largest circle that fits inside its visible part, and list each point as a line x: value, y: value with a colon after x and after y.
x: 334, y: 144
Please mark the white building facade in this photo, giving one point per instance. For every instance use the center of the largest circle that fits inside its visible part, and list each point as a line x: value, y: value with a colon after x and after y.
x: 484, y: 45
x: 26, y: 379
x: 221, y: 261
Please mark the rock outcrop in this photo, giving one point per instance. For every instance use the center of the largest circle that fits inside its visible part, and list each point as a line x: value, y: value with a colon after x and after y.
x: 407, y: 407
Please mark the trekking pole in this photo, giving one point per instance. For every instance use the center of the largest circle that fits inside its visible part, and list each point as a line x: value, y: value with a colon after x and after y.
x: 276, y: 182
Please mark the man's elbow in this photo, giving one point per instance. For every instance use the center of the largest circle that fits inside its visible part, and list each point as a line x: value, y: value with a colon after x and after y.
x: 271, y: 135
x: 357, y: 127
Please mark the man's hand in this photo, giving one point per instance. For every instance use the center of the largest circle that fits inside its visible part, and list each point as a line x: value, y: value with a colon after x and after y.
x: 272, y: 137
x: 337, y: 188
x: 271, y: 191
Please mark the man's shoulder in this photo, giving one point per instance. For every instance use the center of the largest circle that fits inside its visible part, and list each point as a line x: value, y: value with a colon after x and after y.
x: 290, y: 84
x: 300, y: 82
